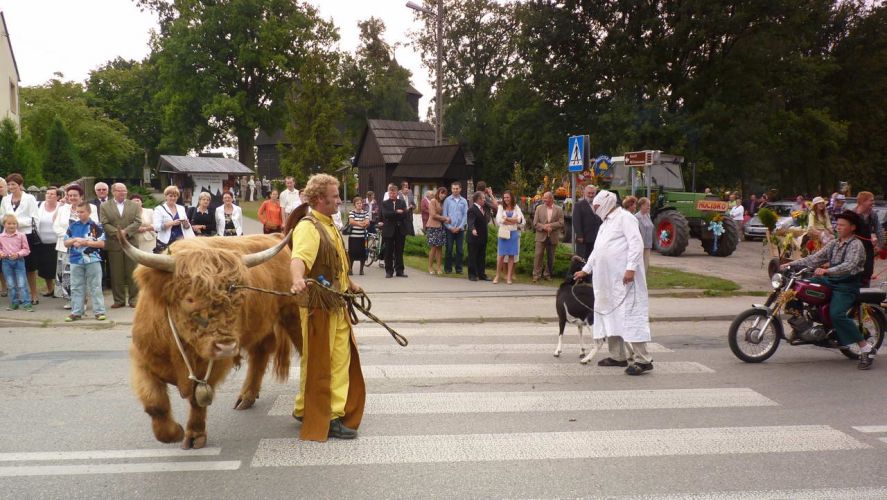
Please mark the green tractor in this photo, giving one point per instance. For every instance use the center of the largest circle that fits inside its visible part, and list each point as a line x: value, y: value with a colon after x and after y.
x: 677, y: 215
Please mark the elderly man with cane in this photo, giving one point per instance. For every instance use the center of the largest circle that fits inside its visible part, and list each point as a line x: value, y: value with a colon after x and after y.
x: 621, y: 312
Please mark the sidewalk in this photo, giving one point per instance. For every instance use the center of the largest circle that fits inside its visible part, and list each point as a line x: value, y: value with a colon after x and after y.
x: 422, y: 298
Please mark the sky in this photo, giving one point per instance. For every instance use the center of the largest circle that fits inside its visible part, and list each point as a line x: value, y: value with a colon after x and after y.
x: 75, y: 36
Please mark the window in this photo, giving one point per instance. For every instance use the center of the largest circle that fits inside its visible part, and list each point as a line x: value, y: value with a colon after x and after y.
x: 13, y: 98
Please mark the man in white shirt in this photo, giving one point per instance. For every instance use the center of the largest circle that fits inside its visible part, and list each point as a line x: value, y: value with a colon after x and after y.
x: 289, y: 198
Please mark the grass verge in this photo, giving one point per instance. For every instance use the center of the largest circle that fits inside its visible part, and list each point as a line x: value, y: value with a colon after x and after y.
x: 659, y: 278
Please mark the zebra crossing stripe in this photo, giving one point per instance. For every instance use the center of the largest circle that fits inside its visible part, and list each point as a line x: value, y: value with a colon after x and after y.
x: 501, y: 402
x: 488, y: 348
x: 448, y: 448
x: 807, y: 494
x: 73, y: 470
x: 870, y: 429
x: 106, y: 454
x: 487, y: 370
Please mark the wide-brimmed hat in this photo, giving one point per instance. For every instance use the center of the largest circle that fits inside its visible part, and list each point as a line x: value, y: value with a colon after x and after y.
x: 818, y: 199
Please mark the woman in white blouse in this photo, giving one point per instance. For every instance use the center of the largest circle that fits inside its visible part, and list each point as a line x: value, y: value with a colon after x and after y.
x: 147, y: 238
x: 170, y: 220
x: 44, y: 251
x: 24, y: 206
x: 229, y: 217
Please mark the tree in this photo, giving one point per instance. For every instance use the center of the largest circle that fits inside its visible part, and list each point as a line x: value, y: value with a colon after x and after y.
x: 17, y: 154
x: 374, y: 85
x: 479, y: 54
x: 101, y: 143
x: 225, y: 67
x: 127, y: 92
x: 314, y: 113
x: 60, y: 158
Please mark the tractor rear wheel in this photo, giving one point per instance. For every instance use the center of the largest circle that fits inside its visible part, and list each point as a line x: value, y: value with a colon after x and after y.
x: 728, y: 241
x: 672, y: 233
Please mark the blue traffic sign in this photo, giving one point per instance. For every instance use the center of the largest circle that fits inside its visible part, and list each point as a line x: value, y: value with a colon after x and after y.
x: 577, y: 153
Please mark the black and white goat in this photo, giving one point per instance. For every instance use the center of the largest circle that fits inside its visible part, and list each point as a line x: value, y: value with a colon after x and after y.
x: 575, y: 305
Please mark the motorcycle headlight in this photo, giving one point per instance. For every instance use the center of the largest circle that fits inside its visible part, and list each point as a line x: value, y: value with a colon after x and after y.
x: 776, y: 280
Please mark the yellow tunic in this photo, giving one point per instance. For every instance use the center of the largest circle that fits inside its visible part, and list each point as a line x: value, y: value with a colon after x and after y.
x: 306, y: 243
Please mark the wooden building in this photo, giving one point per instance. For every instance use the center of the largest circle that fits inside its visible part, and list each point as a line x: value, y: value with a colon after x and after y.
x: 196, y: 174
x: 432, y: 166
x: 381, y: 147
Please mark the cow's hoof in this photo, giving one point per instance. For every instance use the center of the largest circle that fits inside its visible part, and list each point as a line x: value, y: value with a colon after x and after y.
x: 244, y: 403
x: 583, y: 361
x: 557, y: 354
x: 194, y: 442
x: 171, y: 437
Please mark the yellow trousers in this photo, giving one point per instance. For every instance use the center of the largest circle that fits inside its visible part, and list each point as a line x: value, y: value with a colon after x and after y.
x: 340, y: 354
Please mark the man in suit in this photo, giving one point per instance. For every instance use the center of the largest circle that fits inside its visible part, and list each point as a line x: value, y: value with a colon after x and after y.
x: 548, y: 221
x: 477, y: 238
x: 101, y: 196
x: 121, y: 215
x: 585, y: 222
x: 406, y: 194
x: 394, y: 232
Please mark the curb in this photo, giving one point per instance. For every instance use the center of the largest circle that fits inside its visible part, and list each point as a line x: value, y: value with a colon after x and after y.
x: 108, y: 325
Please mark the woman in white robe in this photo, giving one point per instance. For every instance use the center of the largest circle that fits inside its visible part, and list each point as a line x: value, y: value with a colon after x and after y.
x: 621, y: 302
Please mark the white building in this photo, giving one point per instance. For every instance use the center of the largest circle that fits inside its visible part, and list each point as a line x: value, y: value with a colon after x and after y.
x: 9, y: 77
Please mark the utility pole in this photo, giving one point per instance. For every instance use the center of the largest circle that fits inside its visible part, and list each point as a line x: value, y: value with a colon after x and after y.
x: 438, y: 99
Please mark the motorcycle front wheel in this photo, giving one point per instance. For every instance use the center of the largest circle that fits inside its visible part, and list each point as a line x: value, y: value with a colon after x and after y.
x: 873, y: 329
x: 747, y: 339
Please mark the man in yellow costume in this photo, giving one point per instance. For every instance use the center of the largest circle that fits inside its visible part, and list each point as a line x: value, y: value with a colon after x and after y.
x: 332, y: 393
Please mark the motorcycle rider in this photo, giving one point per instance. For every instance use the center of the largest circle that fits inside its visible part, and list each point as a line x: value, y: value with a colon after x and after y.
x: 839, y: 266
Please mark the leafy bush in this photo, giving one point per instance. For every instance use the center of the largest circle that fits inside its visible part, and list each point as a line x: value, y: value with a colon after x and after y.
x: 418, y: 245
x: 768, y: 218
x: 148, y: 201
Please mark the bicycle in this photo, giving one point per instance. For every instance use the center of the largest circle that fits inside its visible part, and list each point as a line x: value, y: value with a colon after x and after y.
x: 374, y: 250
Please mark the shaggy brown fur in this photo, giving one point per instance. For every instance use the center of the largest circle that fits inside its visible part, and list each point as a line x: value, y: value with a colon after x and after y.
x: 207, y: 313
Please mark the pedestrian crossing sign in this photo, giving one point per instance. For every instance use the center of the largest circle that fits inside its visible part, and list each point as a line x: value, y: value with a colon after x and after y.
x: 577, y: 153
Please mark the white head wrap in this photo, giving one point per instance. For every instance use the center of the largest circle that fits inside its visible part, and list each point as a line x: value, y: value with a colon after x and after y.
x: 606, y: 201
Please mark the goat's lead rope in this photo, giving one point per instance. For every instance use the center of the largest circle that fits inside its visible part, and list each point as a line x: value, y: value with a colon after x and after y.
x: 360, y: 301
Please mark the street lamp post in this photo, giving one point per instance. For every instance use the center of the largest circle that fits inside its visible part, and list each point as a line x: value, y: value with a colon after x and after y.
x: 438, y: 113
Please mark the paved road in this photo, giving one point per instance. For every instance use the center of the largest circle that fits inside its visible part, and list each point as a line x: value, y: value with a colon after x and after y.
x: 465, y: 411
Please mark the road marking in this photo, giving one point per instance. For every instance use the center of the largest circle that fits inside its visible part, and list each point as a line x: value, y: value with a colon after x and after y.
x: 449, y: 448
x: 488, y: 348
x: 810, y: 494
x: 517, y: 370
x: 870, y: 429
x: 73, y: 470
x: 106, y: 454
x: 501, y: 402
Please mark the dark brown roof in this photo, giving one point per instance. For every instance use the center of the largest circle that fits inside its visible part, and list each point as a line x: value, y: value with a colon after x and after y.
x: 395, y: 137
x: 435, y: 162
x: 412, y: 90
x: 265, y: 139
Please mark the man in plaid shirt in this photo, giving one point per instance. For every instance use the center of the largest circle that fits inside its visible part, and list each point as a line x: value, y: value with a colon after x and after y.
x: 839, y: 266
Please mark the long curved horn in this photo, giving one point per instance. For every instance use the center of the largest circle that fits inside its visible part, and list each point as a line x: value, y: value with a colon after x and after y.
x: 155, y: 261
x: 254, y: 259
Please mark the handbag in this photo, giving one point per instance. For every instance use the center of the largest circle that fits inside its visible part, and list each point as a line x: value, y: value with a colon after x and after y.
x: 160, y: 247
x: 348, y: 229
x: 504, y: 233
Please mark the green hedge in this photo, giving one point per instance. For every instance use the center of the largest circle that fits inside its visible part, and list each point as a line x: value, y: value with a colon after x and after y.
x: 148, y: 201
x: 418, y: 245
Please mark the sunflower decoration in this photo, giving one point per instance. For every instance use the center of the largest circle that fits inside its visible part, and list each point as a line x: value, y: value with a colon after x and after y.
x: 800, y: 217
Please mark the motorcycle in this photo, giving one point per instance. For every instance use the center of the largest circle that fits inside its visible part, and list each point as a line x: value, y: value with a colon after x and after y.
x: 755, y: 333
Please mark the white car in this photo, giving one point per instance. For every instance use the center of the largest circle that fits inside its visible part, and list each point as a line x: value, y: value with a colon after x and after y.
x: 755, y: 230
